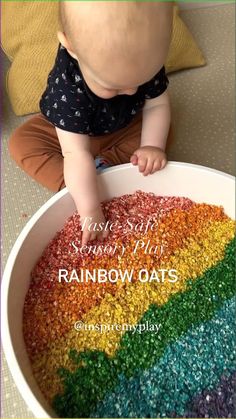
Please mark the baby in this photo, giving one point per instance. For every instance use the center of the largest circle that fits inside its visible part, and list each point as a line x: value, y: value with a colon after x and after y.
x: 107, y: 88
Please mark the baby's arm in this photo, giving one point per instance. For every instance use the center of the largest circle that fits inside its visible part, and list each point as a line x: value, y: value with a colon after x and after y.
x: 151, y: 156
x: 81, y: 178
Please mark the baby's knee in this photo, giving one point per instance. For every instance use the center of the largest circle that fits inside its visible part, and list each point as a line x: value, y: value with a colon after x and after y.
x: 15, y: 145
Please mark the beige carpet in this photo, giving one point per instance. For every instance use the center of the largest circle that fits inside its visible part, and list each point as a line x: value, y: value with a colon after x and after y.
x: 203, y: 118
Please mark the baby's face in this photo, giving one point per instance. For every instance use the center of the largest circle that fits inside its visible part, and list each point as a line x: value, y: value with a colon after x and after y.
x: 118, y: 61
x: 120, y: 79
x: 102, y: 88
x: 114, y: 75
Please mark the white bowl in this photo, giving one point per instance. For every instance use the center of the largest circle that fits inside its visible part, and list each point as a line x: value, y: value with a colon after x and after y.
x: 198, y: 183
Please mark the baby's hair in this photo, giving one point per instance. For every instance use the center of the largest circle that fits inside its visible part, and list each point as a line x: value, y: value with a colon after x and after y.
x: 68, y: 23
x: 130, y: 23
x: 65, y: 20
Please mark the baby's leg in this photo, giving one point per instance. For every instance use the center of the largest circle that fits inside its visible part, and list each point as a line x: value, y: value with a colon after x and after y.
x: 124, y: 142
x: 36, y: 149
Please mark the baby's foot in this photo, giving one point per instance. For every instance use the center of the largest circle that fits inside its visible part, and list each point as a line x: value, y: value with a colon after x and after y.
x: 101, y: 163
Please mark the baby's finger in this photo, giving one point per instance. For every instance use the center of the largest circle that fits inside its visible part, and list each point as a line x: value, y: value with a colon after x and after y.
x: 85, y: 237
x: 103, y: 234
x: 93, y: 235
x: 156, y: 166
x: 163, y: 163
x: 148, y: 168
x: 134, y: 159
x: 142, y: 161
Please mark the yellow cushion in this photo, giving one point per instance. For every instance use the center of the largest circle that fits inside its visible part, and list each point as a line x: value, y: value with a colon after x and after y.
x: 29, y: 40
x: 184, y: 51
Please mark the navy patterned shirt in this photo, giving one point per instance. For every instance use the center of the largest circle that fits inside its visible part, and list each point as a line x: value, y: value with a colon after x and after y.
x: 69, y: 104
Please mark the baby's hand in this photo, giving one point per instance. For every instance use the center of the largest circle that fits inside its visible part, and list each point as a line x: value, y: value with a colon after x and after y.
x: 97, y: 217
x: 149, y: 159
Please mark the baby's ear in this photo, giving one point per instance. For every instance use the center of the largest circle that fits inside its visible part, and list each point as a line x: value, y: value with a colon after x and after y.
x: 64, y: 41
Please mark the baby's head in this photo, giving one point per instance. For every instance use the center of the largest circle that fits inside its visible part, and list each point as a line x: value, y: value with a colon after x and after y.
x: 119, y: 45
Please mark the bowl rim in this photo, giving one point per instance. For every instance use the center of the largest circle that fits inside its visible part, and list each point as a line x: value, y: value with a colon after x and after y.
x: 18, y: 376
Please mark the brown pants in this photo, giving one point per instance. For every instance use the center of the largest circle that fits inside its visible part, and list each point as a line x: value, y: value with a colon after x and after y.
x: 36, y: 149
